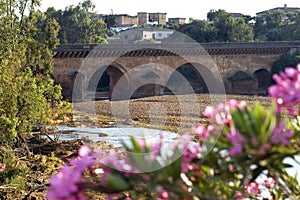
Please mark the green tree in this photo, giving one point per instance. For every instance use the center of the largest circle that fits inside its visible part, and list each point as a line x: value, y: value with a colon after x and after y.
x: 27, y: 92
x: 220, y: 27
x: 268, y: 27
x: 79, y: 24
x: 291, y: 29
x: 198, y: 30
x: 290, y: 59
x: 228, y: 29
x: 110, y: 20
x: 241, y: 31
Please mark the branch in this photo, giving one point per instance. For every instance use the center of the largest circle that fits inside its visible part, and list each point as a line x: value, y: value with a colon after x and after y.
x: 22, y: 11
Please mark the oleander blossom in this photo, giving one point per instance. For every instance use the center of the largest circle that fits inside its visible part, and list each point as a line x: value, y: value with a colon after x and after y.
x: 237, y: 141
x: 286, y: 91
x: 203, y: 132
x: 253, y: 189
x: 269, y: 182
x: 163, y: 195
x: 221, y: 113
x: 120, y: 162
x: 191, y: 153
x: 66, y: 185
x: 281, y: 134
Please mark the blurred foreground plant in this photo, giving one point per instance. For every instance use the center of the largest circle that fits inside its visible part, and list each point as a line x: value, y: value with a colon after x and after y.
x: 244, y: 153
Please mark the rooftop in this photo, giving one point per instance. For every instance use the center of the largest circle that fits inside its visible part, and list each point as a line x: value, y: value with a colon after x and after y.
x: 284, y: 9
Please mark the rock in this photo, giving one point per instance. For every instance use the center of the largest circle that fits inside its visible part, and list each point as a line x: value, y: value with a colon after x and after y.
x: 103, y: 135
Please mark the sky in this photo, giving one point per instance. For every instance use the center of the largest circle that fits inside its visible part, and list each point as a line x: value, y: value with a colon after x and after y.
x: 196, y: 9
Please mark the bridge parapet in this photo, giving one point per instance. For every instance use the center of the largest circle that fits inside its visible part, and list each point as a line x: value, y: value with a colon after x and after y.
x: 102, y: 50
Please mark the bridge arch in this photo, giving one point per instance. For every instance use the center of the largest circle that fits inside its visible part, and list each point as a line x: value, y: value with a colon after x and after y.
x: 241, y: 82
x: 199, y: 77
x: 263, y: 77
x: 103, y: 80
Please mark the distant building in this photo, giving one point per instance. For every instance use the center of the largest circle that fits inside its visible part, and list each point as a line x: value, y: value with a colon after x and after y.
x: 151, y: 18
x: 284, y: 9
x: 160, y: 18
x: 143, y: 35
x: 234, y: 15
x: 237, y: 15
x: 176, y: 21
x: 143, y: 18
x: 125, y: 19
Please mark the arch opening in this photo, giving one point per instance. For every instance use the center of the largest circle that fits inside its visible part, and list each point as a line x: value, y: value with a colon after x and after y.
x: 241, y: 82
x: 196, y: 75
x: 100, y: 81
x: 146, y: 90
x: 103, y: 81
x: 263, y: 77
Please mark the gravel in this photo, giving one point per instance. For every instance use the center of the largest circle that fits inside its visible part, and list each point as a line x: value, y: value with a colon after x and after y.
x: 174, y: 113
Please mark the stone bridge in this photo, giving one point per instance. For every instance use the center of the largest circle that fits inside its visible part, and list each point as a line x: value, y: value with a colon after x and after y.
x: 119, y: 71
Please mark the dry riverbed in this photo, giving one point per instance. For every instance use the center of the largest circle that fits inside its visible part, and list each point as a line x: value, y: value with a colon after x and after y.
x: 172, y: 113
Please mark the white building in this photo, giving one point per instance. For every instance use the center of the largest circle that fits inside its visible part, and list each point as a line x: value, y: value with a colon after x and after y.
x: 143, y: 35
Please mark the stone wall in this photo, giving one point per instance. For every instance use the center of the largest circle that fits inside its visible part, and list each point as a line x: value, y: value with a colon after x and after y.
x: 137, y: 70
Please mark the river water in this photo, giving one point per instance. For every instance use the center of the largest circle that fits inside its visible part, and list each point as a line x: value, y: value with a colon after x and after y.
x: 116, y: 134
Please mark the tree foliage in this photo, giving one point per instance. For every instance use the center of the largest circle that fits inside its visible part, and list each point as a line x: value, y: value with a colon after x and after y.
x: 221, y: 27
x: 27, y: 91
x: 277, y: 26
x: 290, y: 59
x: 79, y: 24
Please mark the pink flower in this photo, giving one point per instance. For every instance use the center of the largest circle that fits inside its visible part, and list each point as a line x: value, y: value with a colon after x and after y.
x: 237, y: 140
x: 65, y: 185
x: 83, y: 163
x: 269, y: 182
x: 217, y: 114
x: 238, y: 196
x: 86, y: 159
x: 183, y: 141
x: 121, y: 163
x: 189, y: 154
x: 156, y: 148
x: 286, y: 92
x: 202, y: 131
x: 163, y: 195
x: 236, y: 150
x: 221, y: 114
x: 263, y: 149
x: 280, y: 134
x: 84, y: 151
x: 253, y: 188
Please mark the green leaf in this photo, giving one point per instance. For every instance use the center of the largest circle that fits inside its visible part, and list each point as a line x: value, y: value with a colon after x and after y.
x: 241, y: 121
x: 135, y: 145
x: 116, y: 182
x: 172, y: 170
